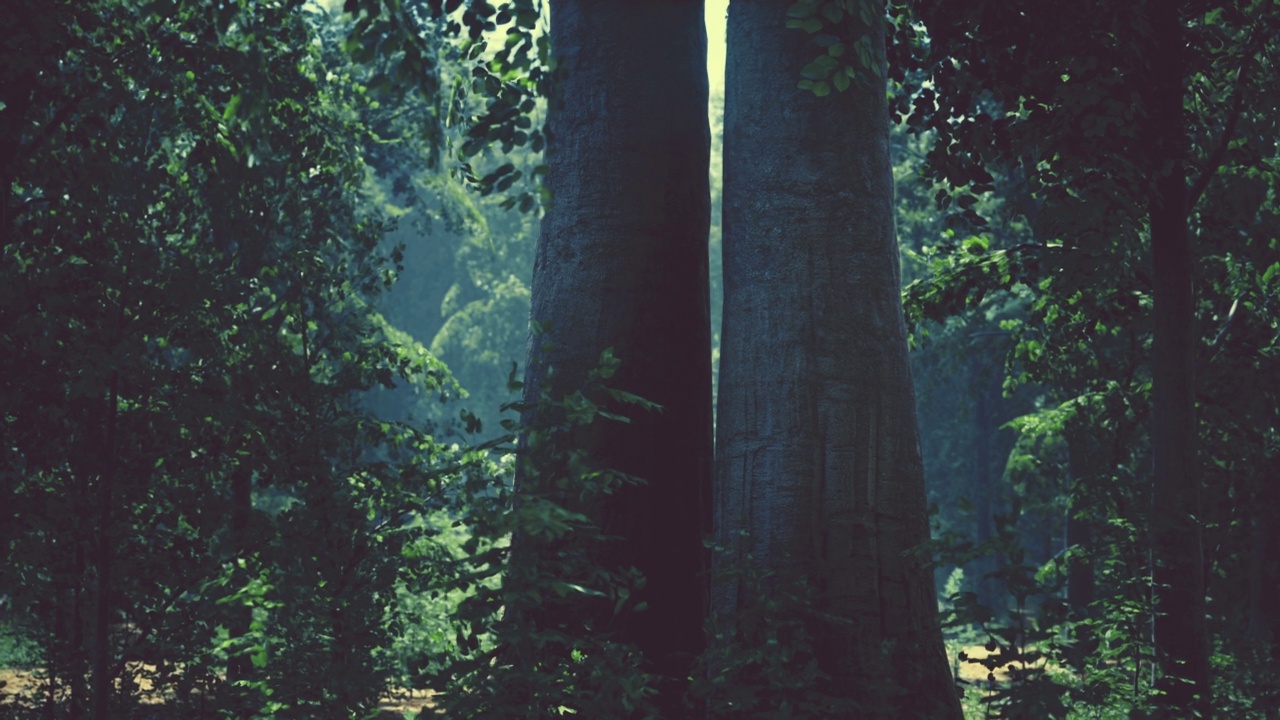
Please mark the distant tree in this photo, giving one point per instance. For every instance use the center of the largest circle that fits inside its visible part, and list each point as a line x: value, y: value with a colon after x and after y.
x: 1178, y: 572
x: 186, y: 279
x: 1140, y: 128
x: 818, y: 458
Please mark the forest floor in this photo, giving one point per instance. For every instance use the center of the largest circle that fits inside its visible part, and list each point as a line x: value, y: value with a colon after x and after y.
x: 399, y: 702
x: 973, y: 672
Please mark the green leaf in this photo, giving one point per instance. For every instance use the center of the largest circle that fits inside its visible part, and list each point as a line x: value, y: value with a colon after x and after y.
x: 820, y: 68
x: 809, y: 25
x: 1270, y: 273
x: 232, y: 105
x: 975, y: 245
x: 803, y: 9
x: 832, y: 12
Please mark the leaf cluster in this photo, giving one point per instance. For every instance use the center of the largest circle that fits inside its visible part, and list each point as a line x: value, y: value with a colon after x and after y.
x: 194, y: 489
x: 542, y: 643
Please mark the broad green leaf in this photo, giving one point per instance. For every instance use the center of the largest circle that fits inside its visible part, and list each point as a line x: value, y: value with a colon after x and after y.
x: 232, y: 106
x: 803, y: 9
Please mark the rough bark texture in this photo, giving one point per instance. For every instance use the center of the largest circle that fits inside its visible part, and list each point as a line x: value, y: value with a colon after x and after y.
x: 1180, y: 632
x: 818, y: 454
x: 622, y: 263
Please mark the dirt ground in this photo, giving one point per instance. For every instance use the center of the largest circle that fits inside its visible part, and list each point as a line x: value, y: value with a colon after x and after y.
x: 974, y: 672
x: 398, y: 704
x: 402, y: 702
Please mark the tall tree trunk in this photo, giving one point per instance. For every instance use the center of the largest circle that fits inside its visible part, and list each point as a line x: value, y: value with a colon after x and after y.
x: 102, y: 616
x: 622, y: 262
x: 1180, y: 632
x: 76, y: 656
x: 984, y: 483
x: 1081, y: 464
x: 239, y: 666
x: 1264, y: 560
x: 1083, y: 461
x: 818, y: 453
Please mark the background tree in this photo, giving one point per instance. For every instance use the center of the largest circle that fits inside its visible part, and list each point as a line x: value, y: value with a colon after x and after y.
x: 192, y: 477
x: 1100, y: 150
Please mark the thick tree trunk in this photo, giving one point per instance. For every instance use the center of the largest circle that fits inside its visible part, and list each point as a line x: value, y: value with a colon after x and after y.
x: 1180, y: 631
x: 622, y: 263
x: 818, y: 454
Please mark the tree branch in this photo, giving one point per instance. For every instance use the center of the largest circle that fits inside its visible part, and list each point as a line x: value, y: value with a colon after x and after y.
x: 1214, y: 161
x: 1215, y: 158
x: 58, y: 119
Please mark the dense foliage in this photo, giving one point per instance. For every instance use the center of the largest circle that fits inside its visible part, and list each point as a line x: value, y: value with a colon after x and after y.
x: 1043, y: 146
x: 246, y: 248
x: 196, y: 498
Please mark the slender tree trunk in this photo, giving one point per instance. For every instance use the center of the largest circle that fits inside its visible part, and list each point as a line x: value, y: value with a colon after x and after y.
x: 1264, y: 560
x: 1079, y: 532
x: 1082, y: 464
x: 77, y: 655
x: 58, y: 637
x: 1180, y: 632
x: 818, y: 454
x: 102, y: 617
x: 239, y: 667
x: 16, y: 96
x: 622, y: 262
x: 987, y: 582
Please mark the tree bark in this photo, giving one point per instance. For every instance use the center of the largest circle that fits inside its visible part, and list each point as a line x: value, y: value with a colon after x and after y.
x: 986, y: 385
x: 239, y: 666
x: 76, y: 656
x: 622, y: 262
x: 818, y: 453
x: 1264, y: 560
x: 102, y: 678
x: 1181, y: 638
x: 1079, y: 531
